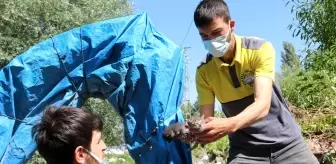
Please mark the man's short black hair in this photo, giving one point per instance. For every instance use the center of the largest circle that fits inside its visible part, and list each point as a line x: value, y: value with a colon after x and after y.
x: 61, y: 130
x: 207, y: 10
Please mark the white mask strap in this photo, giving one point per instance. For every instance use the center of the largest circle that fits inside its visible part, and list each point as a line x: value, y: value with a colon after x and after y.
x: 94, y: 156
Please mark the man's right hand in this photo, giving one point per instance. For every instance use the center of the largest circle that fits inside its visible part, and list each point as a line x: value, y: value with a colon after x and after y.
x: 182, y: 131
x: 206, y: 111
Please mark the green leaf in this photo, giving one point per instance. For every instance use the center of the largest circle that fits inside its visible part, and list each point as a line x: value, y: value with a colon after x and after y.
x: 293, y: 34
x: 287, y: 3
x: 298, y: 32
x: 317, y: 21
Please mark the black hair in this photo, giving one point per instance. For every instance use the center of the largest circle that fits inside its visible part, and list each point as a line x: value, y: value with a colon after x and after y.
x: 207, y: 10
x: 61, y: 130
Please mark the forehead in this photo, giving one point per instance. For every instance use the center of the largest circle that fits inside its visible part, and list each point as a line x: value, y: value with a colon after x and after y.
x: 217, y: 22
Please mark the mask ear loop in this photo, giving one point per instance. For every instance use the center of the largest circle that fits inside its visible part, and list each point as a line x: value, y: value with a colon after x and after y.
x: 94, y: 156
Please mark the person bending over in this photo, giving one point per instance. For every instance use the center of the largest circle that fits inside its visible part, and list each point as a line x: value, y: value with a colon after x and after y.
x: 239, y: 71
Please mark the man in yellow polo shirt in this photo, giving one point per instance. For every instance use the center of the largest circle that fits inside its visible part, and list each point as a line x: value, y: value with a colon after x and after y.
x: 239, y: 71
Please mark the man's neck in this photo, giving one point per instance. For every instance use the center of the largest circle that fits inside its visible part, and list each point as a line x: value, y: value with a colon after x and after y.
x: 229, y: 56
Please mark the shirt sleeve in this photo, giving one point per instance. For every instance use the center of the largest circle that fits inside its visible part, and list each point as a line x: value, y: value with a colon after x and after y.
x: 206, y: 95
x: 264, y: 61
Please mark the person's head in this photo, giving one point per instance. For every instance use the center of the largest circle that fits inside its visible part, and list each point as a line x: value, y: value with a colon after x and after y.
x: 69, y: 135
x: 213, y: 21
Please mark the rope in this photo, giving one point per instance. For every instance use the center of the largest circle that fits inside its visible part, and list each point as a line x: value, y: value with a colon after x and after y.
x: 83, y: 63
x: 66, y: 70
x: 185, y: 36
x: 12, y: 118
x: 84, y: 70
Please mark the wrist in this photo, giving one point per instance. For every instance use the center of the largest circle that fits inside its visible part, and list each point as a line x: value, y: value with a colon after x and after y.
x: 234, y: 122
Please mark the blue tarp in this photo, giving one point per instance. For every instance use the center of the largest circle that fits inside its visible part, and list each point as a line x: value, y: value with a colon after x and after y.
x: 125, y: 60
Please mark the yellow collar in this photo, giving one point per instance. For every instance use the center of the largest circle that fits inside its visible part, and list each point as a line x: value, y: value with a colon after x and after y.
x: 238, y: 43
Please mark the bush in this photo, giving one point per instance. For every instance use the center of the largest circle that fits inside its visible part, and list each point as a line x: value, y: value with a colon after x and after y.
x: 311, y: 89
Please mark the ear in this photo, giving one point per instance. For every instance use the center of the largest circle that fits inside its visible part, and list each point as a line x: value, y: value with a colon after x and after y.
x: 79, y: 155
x: 232, y: 25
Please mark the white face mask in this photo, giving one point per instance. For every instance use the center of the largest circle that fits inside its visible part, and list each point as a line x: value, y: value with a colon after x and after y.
x: 219, y: 46
x: 96, y: 158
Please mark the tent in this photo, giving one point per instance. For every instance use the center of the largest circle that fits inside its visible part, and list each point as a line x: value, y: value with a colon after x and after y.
x: 125, y: 60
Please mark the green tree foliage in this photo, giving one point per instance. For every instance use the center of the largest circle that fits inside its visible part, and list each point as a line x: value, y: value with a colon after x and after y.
x: 24, y: 23
x: 321, y: 60
x: 189, y: 110
x: 315, y: 21
x: 37, y: 159
x: 113, y: 123
x: 289, y: 58
x: 196, y: 105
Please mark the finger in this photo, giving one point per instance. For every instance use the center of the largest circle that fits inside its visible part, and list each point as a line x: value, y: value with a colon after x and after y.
x: 206, y: 134
x: 196, y: 130
x: 208, y: 138
x: 212, y: 135
x: 205, y: 127
x: 186, y: 130
x: 204, y: 139
x: 208, y: 119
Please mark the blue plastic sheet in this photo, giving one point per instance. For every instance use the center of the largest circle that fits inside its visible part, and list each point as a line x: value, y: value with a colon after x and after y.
x: 125, y: 60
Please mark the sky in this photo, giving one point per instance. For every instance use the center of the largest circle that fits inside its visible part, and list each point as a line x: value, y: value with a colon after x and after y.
x: 267, y: 19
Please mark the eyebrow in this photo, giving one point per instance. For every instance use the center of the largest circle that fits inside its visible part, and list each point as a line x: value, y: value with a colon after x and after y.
x: 217, y: 29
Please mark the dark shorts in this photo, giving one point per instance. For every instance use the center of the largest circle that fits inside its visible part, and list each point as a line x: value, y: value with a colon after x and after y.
x: 297, y: 152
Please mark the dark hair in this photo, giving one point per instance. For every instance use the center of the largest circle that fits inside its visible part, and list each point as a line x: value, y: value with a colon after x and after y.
x: 207, y: 10
x: 62, y: 129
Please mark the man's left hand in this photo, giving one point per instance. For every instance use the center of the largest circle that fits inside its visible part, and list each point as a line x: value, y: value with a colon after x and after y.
x: 213, y: 129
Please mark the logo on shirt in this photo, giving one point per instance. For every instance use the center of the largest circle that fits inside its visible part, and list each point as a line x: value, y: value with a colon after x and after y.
x: 247, y: 77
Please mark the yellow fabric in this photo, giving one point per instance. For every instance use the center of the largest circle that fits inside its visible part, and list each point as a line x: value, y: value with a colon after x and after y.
x: 252, y: 59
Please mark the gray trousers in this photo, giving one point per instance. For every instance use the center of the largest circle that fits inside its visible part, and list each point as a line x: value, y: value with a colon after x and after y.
x: 296, y: 152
